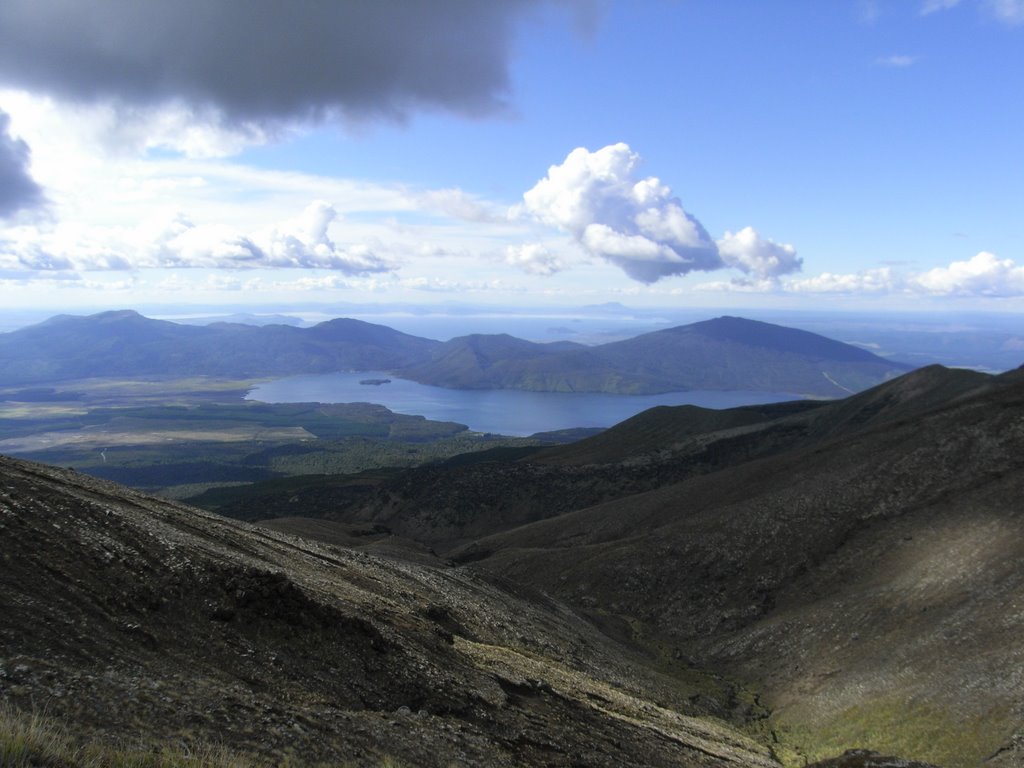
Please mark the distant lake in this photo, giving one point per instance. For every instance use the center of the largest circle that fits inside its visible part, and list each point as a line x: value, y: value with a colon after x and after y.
x: 502, y: 411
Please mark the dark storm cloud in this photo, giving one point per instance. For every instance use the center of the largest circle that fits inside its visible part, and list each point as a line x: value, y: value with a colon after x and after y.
x: 18, y: 190
x: 258, y: 60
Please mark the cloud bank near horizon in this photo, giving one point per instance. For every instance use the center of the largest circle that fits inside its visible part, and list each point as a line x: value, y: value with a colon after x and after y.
x: 175, y: 242
x: 984, y: 275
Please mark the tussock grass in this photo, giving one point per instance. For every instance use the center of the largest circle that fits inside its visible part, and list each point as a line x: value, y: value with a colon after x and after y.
x: 35, y: 741
x: 32, y: 740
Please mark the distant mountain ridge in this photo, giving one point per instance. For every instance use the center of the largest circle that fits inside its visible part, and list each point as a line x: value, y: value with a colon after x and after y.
x: 124, y: 343
x: 726, y: 353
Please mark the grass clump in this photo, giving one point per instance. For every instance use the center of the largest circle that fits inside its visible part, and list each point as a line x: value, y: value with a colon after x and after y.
x: 31, y: 740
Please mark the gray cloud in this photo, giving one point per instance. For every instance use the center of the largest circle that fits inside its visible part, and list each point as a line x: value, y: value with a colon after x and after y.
x: 18, y: 190
x: 266, y: 60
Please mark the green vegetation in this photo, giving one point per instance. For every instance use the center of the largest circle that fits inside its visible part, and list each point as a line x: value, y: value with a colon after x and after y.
x: 904, y: 728
x: 181, y: 437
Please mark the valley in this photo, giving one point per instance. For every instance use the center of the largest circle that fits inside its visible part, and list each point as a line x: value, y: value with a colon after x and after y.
x: 772, y: 584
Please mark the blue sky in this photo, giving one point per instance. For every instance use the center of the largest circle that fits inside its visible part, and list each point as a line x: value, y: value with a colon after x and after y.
x: 863, y: 155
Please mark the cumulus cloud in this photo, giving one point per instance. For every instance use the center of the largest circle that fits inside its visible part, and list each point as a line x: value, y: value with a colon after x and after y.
x: 533, y: 258
x: 18, y: 190
x: 266, y: 60
x: 637, y: 224
x: 982, y: 275
x: 632, y: 222
x: 300, y: 243
x: 748, y: 252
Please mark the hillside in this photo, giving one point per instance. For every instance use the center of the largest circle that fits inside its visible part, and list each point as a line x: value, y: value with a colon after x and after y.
x: 854, y: 562
x: 450, y: 504
x: 723, y: 354
x: 133, y: 618
x: 776, y: 584
x: 861, y: 579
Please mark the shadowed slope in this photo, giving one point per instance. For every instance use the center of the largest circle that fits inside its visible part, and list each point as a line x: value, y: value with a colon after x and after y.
x: 450, y: 505
x: 869, y: 586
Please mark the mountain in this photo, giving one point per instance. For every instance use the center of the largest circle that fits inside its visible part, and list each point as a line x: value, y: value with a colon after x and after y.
x: 856, y: 562
x: 124, y: 343
x: 862, y: 580
x: 722, y: 354
x: 771, y: 585
x: 727, y: 353
x: 494, y: 361
x: 138, y: 621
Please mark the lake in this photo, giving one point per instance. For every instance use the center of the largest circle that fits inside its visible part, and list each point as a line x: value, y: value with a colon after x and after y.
x: 502, y: 411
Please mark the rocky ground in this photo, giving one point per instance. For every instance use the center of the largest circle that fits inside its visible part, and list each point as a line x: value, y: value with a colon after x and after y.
x: 137, y: 619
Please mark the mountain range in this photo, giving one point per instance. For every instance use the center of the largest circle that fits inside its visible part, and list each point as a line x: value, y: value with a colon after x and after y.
x: 834, y: 581
x: 726, y: 353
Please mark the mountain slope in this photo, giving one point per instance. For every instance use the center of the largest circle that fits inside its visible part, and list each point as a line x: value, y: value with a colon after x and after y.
x: 448, y: 505
x: 868, y: 586
x: 135, y: 618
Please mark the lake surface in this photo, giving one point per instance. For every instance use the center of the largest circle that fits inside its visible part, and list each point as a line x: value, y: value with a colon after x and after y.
x: 502, y: 411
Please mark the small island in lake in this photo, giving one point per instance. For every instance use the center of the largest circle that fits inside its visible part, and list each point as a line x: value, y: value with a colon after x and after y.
x: 375, y: 382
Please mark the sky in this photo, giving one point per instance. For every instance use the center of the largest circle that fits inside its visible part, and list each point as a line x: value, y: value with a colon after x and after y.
x: 855, y: 154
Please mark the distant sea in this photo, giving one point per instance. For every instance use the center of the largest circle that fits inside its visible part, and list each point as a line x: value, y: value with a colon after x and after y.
x: 499, y: 411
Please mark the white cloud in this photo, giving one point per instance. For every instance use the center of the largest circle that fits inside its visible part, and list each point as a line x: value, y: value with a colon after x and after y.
x: 882, y: 280
x: 1008, y: 11
x: 897, y: 61
x: 740, y: 285
x: 931, y: 6
x: 533, y: 258
x: 176, y: 242
x: 460, y: 205
x: 748, y: 252
x: 638, y: 225
x: 634, y: 223
x: 982, y: 275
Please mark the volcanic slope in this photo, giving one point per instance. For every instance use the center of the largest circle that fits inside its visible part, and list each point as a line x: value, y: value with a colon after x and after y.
x: 866, y: 580
x: 128, y: 617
